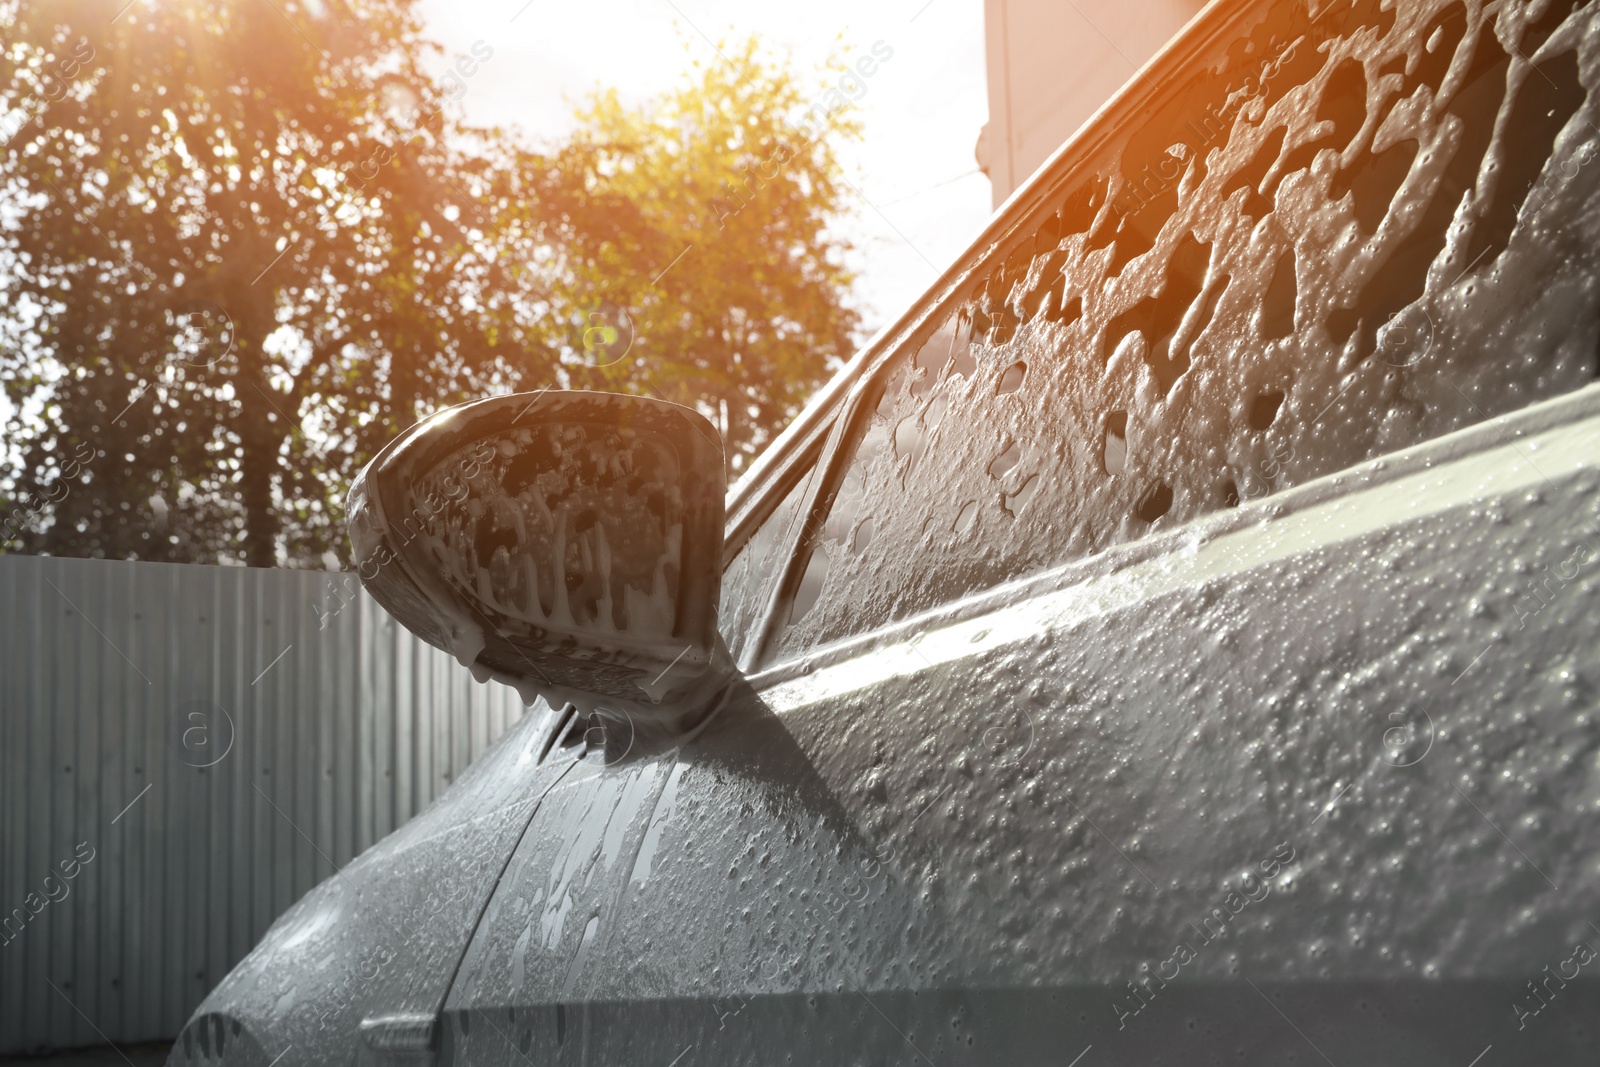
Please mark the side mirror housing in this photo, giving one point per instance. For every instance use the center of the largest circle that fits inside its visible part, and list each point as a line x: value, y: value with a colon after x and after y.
x: 567, y: 543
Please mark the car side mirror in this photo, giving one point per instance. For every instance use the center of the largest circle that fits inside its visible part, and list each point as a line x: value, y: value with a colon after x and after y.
x: 567, y: 543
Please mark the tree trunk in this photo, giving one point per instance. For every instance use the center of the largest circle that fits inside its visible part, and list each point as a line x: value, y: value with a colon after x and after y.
x: 259, y: 443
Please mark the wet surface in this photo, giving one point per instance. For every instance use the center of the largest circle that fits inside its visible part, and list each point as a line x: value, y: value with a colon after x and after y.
x: 1355, y: 232
x: 147, y: 1055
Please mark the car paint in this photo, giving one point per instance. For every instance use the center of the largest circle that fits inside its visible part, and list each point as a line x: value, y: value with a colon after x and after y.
x: 377, y: 942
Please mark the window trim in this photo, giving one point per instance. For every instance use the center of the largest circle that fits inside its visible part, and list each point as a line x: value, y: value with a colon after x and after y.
x: 758, y: 507
x: 797, y: 474
x: 833, y: 463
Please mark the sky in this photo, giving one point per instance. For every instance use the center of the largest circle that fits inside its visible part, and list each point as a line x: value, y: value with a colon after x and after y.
x: 920, y: 197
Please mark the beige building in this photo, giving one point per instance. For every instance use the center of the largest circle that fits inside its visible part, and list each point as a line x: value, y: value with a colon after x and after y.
x: 1052, y: 63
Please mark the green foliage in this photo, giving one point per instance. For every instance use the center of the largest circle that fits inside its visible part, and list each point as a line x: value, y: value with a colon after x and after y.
x: 244, y: 246
x: 730, y: 174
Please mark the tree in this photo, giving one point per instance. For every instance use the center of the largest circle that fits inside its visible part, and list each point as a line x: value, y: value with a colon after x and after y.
x: 743, y: 309
x: 222, y: 279
x: 244, y: 247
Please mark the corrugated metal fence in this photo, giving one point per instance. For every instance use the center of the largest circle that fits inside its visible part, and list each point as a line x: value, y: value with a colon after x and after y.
x: 185, y: 751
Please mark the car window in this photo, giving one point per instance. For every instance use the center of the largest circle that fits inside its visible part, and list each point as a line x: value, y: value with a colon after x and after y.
x: 1347, y: 235
x: 749, y: 577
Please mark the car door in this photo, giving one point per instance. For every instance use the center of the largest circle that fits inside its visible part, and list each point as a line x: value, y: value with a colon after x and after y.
x: 551, y: 974
x: 357, y: 969
x: 1184, y: 653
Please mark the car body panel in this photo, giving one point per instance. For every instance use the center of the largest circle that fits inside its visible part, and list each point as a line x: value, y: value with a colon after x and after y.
x: 964, y: 842
x: 380, y: 939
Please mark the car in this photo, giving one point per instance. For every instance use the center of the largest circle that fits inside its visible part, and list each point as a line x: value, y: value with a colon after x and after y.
x: 1171, y: 641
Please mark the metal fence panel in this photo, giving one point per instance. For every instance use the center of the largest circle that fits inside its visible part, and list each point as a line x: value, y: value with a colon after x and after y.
x: 184, y: 752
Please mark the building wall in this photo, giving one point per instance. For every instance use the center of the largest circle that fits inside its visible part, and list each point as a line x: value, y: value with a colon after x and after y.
x: 1052, y: 63
x: 198, y: 746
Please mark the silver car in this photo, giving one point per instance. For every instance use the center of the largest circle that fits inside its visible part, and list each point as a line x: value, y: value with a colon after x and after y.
x: 1165, y: 643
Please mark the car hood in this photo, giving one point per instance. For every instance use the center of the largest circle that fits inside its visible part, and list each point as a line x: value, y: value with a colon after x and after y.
x: 357, y: 970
